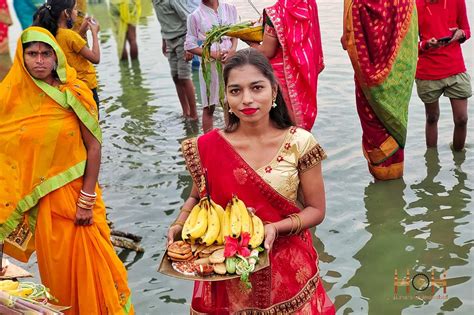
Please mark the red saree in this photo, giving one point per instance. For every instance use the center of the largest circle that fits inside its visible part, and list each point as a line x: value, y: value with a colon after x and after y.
x: 299, y: 58
x: 291, y: 284
x: 381, y: 39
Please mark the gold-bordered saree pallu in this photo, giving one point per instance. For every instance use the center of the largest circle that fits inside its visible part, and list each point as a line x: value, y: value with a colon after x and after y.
x: 291, y: 284
x: 42, y: 162
x: 381, y: 39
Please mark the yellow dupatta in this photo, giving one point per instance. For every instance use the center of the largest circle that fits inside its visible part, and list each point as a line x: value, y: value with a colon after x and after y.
x: 41, y: 148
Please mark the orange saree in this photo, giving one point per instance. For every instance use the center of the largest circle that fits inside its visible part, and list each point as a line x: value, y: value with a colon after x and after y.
x: 42, y: 161
x: 291, y: 285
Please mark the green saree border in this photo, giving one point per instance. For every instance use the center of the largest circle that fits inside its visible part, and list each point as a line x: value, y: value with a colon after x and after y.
x: 41, y: 190
x: 126, y: 308
x: 386, y: 97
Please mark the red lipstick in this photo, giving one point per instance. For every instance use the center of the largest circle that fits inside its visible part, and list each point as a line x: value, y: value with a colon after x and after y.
x: 249, y: 111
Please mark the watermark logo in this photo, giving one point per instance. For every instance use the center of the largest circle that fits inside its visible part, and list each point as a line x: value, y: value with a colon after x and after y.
x: 420, y: 282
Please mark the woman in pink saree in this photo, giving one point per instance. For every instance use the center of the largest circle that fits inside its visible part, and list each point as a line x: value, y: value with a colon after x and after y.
x: 292, y: 43
x: 266, y: 161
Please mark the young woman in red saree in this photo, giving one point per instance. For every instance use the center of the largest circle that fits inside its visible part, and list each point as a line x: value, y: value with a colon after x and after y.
x: 267, y: 162
x: 292, y: 43
x: 381, y: 39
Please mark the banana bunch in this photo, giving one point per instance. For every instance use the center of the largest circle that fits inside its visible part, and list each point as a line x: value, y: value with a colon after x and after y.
x: 204, y: 223
x: 238, y: 220
x: 209, y: 223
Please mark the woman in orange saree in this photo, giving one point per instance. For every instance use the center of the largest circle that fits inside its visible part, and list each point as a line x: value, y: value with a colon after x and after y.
x: 267, y: 180
x: 292, y: 42
x: 49, y: 197
x: 381, y: 39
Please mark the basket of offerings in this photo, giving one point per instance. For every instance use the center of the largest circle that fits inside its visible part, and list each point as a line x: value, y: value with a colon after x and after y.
x: 250, y: 33
x: 217, y: 244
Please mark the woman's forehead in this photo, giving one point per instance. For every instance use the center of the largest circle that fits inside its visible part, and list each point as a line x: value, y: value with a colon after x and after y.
x: 39, y: 46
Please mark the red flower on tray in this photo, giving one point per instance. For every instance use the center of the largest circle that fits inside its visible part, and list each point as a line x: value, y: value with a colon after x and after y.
x: 233, y: 246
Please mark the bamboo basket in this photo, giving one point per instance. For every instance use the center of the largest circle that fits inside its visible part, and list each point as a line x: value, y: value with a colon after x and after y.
x: 251, y: 34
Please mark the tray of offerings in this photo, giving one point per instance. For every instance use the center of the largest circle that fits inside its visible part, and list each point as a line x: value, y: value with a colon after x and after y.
x: 217, y: 244
x: 200, y: 268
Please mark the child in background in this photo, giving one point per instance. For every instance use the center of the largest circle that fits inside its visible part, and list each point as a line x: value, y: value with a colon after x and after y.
x: 58, y: 17
x: 208, y: 14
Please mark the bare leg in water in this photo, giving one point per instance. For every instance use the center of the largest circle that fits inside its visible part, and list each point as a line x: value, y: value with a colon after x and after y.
x: 459, y: 108
x: 185, y: 91
x: 208, y: 118
x: 131, y: 38
x: 431, y: 127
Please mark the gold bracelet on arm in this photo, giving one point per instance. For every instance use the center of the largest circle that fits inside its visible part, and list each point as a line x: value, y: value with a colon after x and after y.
x: 300, y: 224
x: 292, y: 225
x: 178, y: 222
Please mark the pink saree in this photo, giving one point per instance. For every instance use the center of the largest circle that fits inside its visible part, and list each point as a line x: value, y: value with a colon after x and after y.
x: 291, y: 284
x: 299, y: 58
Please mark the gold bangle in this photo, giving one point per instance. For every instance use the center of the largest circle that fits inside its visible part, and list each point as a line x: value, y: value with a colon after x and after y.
x: 300, y: 224
x: 292, y: 225
x: 178, y: 222
x: 85, y: 207
x: 185, y: 210
x: 87, y: 202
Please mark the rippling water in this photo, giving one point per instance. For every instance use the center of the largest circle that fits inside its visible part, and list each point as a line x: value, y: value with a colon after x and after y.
x: 419, y: 223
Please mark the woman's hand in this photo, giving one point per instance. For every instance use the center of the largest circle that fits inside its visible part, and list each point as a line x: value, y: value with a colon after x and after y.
x: 271, y: 233
x: 173, y: 231
x: 83, y: 217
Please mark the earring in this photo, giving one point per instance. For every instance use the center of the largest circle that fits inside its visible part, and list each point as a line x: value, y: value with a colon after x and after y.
x: 274, y: 104
x: 69, y: 23
x: 230, y: 111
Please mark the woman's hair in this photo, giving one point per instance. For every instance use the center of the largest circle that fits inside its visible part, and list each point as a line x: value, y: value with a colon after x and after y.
x: 47, y: 15
x: 250, y: 56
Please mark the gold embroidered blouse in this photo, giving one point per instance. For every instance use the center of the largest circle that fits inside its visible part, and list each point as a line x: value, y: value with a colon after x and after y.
x: 299, y: 152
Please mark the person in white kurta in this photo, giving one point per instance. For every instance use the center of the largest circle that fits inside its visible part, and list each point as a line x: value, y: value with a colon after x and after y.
x: 206, y: 15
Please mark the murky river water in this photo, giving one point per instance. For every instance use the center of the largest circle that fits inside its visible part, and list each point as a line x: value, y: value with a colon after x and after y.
x: 420, y: 223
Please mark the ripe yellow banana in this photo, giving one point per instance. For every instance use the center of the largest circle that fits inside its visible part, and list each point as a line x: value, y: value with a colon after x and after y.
x: 24, y: 292
x: 220, y: 213
x: 258, y: 232
x: 200, y: 227
x: 244, y: 216
x: 235, y: 219
x: 9, y: 285
x: 190, y: 221
x: 226, y: 223
x: 213, y: 226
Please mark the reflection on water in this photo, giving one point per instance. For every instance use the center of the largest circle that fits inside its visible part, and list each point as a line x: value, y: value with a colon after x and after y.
x: 419, y: 237
x: 389, y: 248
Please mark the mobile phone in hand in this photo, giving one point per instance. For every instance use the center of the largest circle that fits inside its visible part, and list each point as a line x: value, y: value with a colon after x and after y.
x: 444, y: 40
